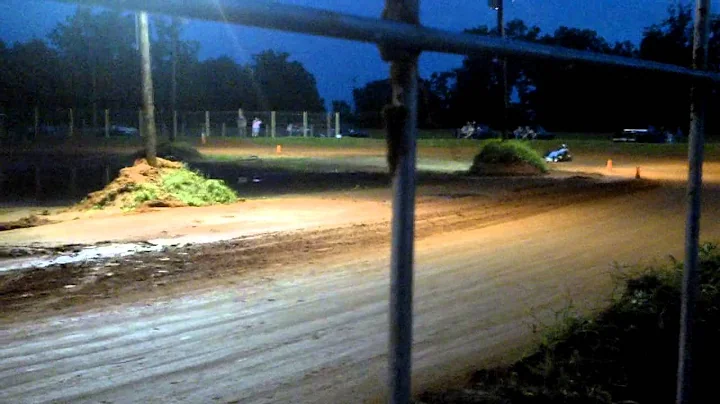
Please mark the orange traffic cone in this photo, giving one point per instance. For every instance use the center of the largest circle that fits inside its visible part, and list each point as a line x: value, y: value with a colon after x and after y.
x: 609, y: 165
x: 637, y: 173
x: 278, y: 149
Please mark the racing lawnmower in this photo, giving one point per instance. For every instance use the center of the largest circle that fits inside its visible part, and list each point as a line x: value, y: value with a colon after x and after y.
x: 559, y: 155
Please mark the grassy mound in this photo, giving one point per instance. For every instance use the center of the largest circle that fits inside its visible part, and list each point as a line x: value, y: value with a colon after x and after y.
x: 170, y: 184
x: 627, y: 354
x: 513, y: 156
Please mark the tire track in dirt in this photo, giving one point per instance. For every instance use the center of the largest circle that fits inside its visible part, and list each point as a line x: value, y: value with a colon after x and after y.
x: 36, y: 292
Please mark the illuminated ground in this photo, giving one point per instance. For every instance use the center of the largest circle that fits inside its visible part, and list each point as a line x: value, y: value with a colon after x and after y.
x: 300, y: 314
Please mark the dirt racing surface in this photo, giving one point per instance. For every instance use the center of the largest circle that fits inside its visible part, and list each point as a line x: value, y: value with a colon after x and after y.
x: 347, y: 224
x: 298, y: 313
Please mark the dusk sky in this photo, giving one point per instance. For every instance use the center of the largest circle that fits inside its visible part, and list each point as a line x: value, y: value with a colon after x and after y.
x: 340, y: 65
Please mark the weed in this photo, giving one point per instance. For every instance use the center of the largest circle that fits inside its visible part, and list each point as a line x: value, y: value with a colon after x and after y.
x: 627, y: 353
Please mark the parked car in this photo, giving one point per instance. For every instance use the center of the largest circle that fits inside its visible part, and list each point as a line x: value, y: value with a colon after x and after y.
x: 48, y: 130
x: 351, y: 132
x: 117, y: 130
x: 644, y: 135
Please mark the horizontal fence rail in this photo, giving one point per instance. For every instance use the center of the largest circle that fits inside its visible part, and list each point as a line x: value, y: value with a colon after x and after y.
x: 308, y: 20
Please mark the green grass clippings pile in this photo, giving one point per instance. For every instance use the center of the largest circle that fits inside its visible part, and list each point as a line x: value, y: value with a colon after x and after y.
x: 626, y: 354
x: 509, y: 157
x: 170, y: 184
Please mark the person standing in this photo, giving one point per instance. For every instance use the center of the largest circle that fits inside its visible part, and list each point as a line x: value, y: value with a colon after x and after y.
x: 256, y: 127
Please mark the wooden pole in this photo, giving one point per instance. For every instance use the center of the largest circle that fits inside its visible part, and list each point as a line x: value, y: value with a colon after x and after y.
x: 147, y: 87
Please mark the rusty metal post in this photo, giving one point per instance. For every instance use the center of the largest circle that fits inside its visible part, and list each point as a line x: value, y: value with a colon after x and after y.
x: 401, y: 121
x: 691, y: 276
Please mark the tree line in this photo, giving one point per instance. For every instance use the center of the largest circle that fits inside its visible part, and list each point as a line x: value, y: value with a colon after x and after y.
x: 559, y: 95
x: 91, y: 60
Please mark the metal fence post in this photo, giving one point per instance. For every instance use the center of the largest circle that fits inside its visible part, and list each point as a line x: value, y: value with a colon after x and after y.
x: 207, y: 123
x: 305, y: 123
x: 175, y: 125
x: 401, y: 121
x: 222, y: 130
x: 140, y: 123
x: 241, y: 123
x: 337, y: 124
x: 272, y: 123
x: 71, y: 123
x: 36, y: 122
x: 691, y: 276
x: 107, y: 123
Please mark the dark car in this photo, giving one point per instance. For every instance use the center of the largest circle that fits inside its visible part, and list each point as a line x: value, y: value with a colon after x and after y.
x: 354, y: 133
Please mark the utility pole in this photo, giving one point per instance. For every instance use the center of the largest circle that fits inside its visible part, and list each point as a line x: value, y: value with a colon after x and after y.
x: 499, y: 6
x: 147, y: 91
x: 173, y: 87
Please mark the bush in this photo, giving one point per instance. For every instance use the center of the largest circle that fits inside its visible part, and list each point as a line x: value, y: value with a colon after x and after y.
x: 627, y: 354
x: 509, y: 153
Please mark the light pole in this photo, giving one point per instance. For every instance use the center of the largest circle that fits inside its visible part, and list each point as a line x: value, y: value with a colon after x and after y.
x: 498, y: 5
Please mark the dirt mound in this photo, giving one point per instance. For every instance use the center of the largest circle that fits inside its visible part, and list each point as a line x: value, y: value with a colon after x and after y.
x: 119, y: 191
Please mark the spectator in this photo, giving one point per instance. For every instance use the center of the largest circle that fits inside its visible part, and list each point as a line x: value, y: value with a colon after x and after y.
x: 256, y: 127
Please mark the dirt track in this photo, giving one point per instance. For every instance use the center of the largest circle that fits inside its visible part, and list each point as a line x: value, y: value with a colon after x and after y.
x: 301, y: 316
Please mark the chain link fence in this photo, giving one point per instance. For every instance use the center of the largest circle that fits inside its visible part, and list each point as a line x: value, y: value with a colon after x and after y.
x: 45, y: 123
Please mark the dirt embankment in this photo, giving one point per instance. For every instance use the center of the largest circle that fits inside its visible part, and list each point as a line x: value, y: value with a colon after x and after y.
x: 25, y: 222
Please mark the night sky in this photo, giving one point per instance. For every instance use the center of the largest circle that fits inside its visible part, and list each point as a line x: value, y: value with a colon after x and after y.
x: 339, y: 65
